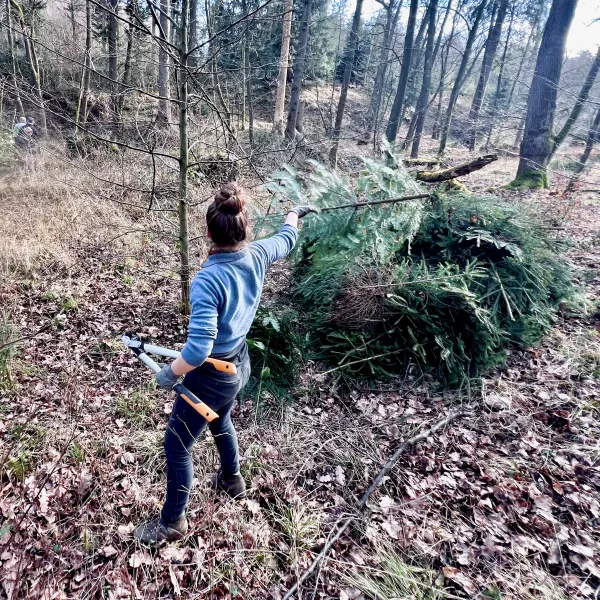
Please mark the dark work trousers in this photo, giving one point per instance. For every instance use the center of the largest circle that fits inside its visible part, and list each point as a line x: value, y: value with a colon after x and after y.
x: 217, y: 390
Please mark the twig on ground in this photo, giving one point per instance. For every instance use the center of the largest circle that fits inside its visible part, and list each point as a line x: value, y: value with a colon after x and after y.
x: 389, y: 465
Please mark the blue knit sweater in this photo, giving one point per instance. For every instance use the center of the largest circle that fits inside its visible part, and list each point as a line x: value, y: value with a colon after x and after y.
x: 225, y: 295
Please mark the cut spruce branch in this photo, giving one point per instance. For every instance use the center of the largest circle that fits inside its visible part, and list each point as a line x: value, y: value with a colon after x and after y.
x: 375, y: 202
x: 457, y: 171
x: 362, y: 204
x: 389, y: 465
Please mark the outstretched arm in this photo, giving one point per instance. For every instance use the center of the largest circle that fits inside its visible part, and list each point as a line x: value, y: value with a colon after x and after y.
x: 280, y: 245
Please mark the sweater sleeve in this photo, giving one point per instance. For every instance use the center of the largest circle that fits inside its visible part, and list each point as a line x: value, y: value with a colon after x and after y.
x: 202, y: 330
x: 277, y: 246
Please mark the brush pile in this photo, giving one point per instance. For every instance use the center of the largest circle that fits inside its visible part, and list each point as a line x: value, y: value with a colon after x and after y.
x: 442, y: 285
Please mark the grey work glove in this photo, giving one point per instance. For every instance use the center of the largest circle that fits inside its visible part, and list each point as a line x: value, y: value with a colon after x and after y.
x: 166, y: 378
x: 305, y: 209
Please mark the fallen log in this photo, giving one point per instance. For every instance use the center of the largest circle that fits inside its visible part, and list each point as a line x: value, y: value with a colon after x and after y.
x: 421, y: 162
x: 457, y: 171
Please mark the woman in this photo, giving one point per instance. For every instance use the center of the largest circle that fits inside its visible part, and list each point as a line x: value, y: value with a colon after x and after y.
x: 224, y: 296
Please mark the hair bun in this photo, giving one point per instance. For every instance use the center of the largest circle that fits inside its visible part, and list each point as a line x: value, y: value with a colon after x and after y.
x: 230, y: 199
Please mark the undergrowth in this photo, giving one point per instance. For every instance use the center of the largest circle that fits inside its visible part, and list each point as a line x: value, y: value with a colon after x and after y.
x: 444, y: 285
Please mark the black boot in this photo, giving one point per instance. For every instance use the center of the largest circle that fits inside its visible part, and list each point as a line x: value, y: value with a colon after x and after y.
x: 233, y: 485
x: 156, y: 531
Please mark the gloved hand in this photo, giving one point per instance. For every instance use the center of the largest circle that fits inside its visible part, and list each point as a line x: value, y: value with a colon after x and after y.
x: 166, y: 378
x: 305, y: 209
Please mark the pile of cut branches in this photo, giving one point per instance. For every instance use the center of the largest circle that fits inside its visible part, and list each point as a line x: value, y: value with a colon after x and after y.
x: 444, y: 284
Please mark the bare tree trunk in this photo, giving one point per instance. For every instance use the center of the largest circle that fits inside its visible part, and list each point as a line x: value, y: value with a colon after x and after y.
x: 29, y: 38
x: 458, y: 83
x: 499, y: 84
x: 248, y: 77
x: 581, y: 99
x: 284, y: 59
x: 244, y: 87
x: 193, y: 34
x: 164, y: 103
x: 132, y: 7
x: 113, y: 53
x: 423, y: 101
x: 415, y: 69
x: 394, y: 121
x: 290, y: 129
x: 592, y: 138
x: 536, y: 148
x: 350, y: 54
x: 525, y: 57
x: 72, y: 19
x: 435, y: 134
x: 84, y: 92
x: 13, y: 66
x: 184, y: 236
x: 391, y: 22
x: 491, y: 47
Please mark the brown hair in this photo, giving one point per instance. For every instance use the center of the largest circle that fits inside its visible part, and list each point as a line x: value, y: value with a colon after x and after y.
x: 227, y: 217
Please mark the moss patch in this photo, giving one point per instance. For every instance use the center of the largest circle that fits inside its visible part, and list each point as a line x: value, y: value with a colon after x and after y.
x: 530, y: 179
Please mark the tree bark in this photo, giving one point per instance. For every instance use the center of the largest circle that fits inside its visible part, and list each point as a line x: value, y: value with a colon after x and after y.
x: 592, y: 138
x: 299, y: 63
x: 184, y: 236
x: 581, y: 99
x: 284, y: 58
x: 164, y: 103
x: 350, y: 54
x: 394, y: 121
x: 536, y: 148
x: 491, y: 47
x: 423, y: 101
x: 459, y: 77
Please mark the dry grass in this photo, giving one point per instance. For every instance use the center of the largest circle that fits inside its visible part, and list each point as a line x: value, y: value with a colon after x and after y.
x: 43, y: 218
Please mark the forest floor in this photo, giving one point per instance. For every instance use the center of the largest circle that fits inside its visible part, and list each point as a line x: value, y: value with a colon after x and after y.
x: 504, y: 503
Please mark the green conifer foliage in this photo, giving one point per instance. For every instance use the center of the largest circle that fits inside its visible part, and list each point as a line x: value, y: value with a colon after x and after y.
x: 445, y: 285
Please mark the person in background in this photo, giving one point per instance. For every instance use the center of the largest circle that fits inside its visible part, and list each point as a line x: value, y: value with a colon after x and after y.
x: 19, y: 125
x: 224, y: 295
x: 27, y: 135
x: 34, y: 128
